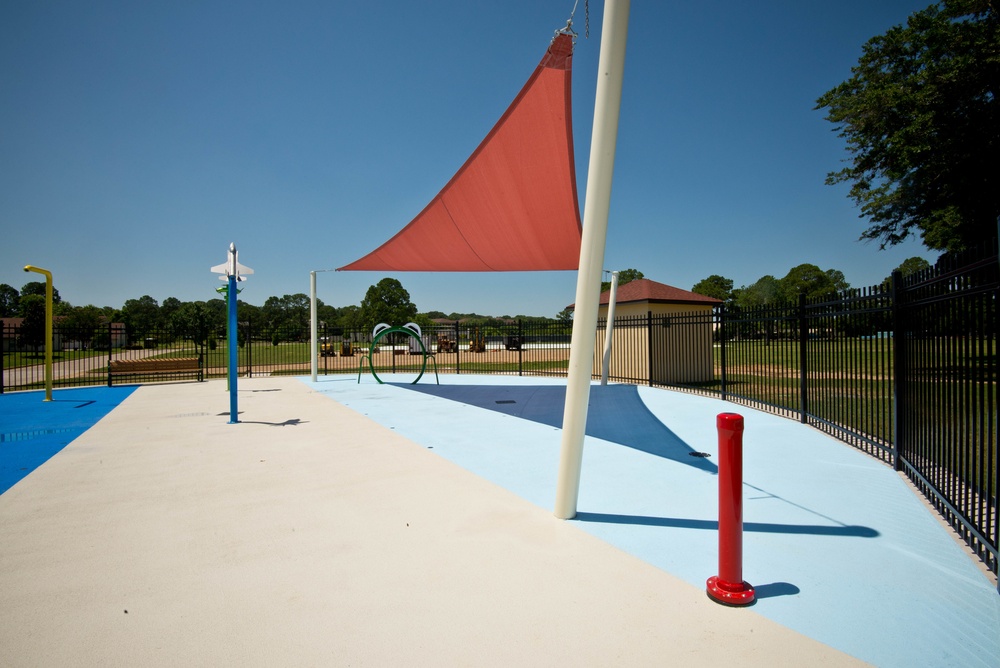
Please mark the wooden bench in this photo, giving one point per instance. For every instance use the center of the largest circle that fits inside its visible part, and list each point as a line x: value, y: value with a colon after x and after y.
x: 164, y: 366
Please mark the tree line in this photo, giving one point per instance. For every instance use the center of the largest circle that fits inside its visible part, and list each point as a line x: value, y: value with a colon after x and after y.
x: 283, y: 318
x: 288, y: 316
x: 804, y: 279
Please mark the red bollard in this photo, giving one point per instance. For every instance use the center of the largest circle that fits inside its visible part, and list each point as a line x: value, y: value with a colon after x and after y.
x: 728, y: 586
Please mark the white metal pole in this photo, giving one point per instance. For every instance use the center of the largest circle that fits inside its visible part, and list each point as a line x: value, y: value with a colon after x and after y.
x: 609, y: 328
x: 597, y: 203
x: 313, y: 325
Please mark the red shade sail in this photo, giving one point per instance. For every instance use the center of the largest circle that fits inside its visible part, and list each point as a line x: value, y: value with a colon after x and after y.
x: 513, y: 204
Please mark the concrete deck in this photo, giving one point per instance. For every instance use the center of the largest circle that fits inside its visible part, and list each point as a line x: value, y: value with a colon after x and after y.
x: 346, y: 524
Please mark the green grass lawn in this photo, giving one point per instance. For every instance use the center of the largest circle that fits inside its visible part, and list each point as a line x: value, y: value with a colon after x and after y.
x: 17, y: 359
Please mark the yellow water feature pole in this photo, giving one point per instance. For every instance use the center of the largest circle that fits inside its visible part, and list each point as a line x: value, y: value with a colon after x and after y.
x: 48, y: 327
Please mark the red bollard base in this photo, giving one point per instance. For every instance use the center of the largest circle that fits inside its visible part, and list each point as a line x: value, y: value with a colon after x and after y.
x: 729, y: 593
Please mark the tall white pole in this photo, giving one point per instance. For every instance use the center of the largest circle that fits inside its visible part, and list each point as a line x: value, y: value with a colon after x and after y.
x: 49, y: 296
x: 313, y: 325
x: 597, y: 203
x: 609, y: 328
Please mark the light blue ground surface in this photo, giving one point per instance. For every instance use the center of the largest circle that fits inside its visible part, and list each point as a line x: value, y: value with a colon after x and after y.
x: 836, y: 544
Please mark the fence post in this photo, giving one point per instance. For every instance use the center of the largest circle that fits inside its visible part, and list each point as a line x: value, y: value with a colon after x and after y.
x: 458, y: 358
x: 722, y: 352
x: 899, y: 377
x: 803, y: 349
x: 111, y: 347
x: 333, y: 346
x: 249, y: 355
x: 649, y: 347
x: 520, y: 347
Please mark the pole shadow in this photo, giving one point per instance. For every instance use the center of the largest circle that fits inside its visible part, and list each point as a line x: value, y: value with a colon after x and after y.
x: 616, y: 413
x: 294, y: 422
x: 713, y: 525
x: 775, y: 589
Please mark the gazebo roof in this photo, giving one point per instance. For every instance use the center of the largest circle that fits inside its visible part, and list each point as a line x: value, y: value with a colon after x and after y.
x: 645, y: 290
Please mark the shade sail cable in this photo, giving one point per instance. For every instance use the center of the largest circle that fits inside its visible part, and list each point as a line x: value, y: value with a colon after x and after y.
x: 513, y: 205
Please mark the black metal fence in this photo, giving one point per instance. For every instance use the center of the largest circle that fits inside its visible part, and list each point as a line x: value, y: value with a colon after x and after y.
x: 905, y: 371
x: 493, y: 347
x: 946, y: 424
x: 111, y: 355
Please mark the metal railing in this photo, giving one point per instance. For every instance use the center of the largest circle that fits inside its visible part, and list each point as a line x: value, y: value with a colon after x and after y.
x: 946, y: 439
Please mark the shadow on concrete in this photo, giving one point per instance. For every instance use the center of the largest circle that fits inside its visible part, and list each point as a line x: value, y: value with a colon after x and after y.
x: 294, y: 422
x: 616, y: 413
x: 775, y: 589
x: 713, y: 525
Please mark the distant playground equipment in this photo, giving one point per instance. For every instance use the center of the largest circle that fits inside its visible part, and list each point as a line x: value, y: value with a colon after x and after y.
x: 477, y: 344
x: 328, y: 348
x: 416, y: 347
x: 446, y: 345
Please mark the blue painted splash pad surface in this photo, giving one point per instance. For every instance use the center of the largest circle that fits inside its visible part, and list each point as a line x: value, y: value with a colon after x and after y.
x: 33, y: 430
x: 836, y: 544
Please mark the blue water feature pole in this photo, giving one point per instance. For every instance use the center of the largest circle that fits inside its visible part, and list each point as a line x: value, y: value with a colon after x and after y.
x: 224, y: 291
x: 234, y: 272
x: 234, y: 413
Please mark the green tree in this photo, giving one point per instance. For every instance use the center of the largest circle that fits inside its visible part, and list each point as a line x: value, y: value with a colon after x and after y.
x: 9, y: 298
x: 624, y: 276
x: 141, y: 317
x: 812, y: 281
x: 218, y: 316
x: 289, y: 312
x: 168, y: 309
x: 81, y: 324
x: 251, y: 321
x: 62, y: 308
x: 715, y: 286
x: 912, y: 265
x: 349, y: 318
x: 837, y: 279
x: 194, y: 321
x: 388, y: 302
x: 32, y: 330
x: 921, y: 117
x: 326, y: 314
x: 38, y: 288
x: 764, y: 291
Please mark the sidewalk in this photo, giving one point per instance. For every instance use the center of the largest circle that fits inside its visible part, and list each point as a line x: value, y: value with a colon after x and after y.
x: 309, y: 534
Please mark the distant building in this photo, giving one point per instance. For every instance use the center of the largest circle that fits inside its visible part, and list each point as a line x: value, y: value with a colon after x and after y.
x: 11, y: 333
x: 662, y: 334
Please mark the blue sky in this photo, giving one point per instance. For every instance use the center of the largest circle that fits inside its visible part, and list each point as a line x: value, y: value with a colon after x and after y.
x: 137, y: 140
